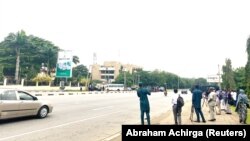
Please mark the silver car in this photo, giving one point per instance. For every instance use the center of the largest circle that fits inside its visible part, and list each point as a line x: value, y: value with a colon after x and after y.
x: 16, y: 103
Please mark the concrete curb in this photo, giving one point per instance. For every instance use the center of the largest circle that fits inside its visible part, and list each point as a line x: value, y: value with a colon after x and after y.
x: 58, y: 93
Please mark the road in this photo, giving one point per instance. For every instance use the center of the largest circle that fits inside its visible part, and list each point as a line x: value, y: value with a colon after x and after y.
x: 90, y: 117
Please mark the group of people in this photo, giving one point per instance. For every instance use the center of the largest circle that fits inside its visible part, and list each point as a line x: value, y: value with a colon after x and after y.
x: 215, y: 98
x: 211, y: 96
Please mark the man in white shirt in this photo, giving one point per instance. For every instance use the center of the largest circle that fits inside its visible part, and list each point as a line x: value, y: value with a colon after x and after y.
x: 176, y: 110
x: 212, y: 103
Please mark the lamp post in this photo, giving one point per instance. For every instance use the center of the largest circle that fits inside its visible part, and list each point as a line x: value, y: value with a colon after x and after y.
x: 219, y: 76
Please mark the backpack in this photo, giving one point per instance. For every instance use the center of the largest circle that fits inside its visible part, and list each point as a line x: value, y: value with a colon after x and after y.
x: 180, y: 101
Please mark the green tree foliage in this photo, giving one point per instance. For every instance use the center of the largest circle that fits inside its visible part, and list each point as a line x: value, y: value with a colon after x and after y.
x: 1, y: 73
x: 14, y: 43
x: 79, y: 72
x: 40, y: 51
x: 42, y: 78
x: 121, y: 78
x: 228, y: 81
x: 200, y: 81
x: 157, y: 79
x: 239, y: 78
x: 247, y: 68
x: 21, y: 55
x: 76, y: 60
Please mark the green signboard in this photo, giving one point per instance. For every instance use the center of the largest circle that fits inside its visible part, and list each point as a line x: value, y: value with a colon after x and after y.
x: 64, y: 64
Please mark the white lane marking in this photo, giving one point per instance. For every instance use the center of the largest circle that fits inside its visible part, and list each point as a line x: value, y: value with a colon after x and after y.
x: 53, y: 127
x: 103, y: 108
x: 112, y: 137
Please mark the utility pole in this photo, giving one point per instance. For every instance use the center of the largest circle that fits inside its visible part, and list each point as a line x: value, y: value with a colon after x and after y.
x: 219, y: 76
x: 88, y: 78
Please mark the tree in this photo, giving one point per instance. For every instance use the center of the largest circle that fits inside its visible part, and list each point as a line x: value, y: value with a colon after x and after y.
x: 1, y: 73
x: 76, y: 60
x: 158, y: 79
x: 201, y: 81
x: 239, y: 77
x: 21, y: 56
x: 79, y: 72
x: 42, y: 78
x: 129, y: 79
x: 39, y: 51
x: 247, y: 68
x: 16, y: 41
x: 228, y: 76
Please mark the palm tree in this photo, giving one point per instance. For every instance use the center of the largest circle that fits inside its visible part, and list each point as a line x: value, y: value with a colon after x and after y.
x: 76, y: 60
x: 16, y: 41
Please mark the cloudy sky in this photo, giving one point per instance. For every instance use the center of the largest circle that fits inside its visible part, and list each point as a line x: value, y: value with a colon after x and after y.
x: 186, y: 37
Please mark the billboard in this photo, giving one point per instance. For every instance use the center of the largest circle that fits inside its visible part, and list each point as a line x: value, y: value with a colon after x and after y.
x: 64, y: 64
x: 213, y: 79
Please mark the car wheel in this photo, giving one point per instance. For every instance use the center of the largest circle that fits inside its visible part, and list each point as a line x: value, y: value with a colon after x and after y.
x: 43, y: 112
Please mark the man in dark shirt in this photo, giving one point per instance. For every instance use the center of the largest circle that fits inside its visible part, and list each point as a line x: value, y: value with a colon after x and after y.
x: 143, y: 93
x: 196, y: 101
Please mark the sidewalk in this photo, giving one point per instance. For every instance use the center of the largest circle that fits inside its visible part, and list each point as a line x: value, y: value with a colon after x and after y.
x: 168, y: 118
x: 228, y: 119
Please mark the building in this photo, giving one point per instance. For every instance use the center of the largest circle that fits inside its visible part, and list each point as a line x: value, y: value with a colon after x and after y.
x: 109, y: 71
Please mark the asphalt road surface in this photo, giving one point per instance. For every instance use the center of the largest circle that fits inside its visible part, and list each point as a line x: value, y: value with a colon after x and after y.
x: 90, y: 117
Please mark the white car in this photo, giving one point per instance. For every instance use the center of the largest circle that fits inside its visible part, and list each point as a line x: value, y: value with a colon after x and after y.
x: 17, y: 103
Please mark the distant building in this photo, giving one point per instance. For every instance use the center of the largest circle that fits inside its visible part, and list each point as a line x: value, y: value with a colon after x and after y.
x: 109, y: 71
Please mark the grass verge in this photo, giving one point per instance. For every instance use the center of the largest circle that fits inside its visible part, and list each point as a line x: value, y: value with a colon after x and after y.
x: 248, y: 113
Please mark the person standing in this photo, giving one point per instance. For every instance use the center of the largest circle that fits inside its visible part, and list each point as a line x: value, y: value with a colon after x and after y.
x: 234, y: 94
x: 143, y: 93
x: 219, y: 94
x: 212, y: 103
x: 228, y: 102
x: 196, y: 102
x: 241, y: 106
x: 176, y: 108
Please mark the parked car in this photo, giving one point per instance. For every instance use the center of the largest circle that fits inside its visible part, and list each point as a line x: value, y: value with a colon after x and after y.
x: 161, y: 89
x: 184, y: 91
x: 17, y: 103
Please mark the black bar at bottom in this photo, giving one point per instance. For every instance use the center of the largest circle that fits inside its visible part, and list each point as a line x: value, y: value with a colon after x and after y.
x: 190, y: 132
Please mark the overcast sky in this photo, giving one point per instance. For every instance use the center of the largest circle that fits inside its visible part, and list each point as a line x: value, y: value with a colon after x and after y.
x: 186, y: 37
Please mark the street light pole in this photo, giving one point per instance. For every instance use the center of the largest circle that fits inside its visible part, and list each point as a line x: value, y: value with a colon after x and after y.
x: 219, y: 76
